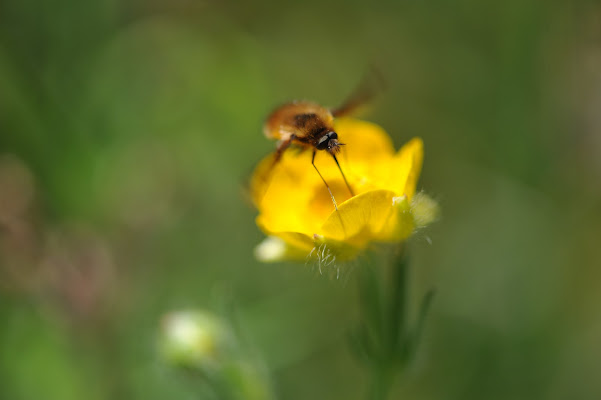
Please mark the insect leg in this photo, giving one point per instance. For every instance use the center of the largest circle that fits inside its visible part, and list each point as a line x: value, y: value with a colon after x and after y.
x: 324, y: 181
x: 344, y: 177
x: 279, y: 151
x: 265, y: 174
x: 283, y: 145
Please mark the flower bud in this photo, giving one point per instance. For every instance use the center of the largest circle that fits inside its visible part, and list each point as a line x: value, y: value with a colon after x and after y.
x: 201, y: 342
x: 425, y: 209
x: 195, y: 339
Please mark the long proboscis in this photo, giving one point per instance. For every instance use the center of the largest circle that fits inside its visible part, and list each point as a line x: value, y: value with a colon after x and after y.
x: 343, y: 176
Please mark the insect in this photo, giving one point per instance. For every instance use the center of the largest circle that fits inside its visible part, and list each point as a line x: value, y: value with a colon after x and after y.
x: 307, y: 125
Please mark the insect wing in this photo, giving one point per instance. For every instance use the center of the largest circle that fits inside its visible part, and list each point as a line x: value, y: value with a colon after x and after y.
x: 370, y: 86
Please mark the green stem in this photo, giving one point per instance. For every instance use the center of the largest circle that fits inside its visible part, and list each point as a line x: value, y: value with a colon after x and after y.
x: 385, y: 341
x: 383, y: 297
x: 381, y: 383
x: 398, y: 303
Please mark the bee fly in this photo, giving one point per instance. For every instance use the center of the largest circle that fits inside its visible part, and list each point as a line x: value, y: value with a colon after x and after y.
x: 307, y: 125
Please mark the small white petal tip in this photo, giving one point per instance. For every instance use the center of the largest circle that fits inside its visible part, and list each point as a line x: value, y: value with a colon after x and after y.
x: 271, y: 249
x: 399, y: 200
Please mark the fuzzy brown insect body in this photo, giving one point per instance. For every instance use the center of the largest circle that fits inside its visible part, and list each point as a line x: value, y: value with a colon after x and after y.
x: 303, y: 124
x: 307, y: 125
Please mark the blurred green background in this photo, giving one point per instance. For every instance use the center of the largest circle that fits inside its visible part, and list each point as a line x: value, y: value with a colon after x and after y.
x: 129, y: 128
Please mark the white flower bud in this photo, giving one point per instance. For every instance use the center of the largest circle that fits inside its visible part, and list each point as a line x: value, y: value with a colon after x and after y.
x: 194, y: 339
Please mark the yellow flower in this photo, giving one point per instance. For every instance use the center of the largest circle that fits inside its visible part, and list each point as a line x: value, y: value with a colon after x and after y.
x: 297, y: 213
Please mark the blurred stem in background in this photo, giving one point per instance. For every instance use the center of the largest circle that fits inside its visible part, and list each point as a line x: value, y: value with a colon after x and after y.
x: 385, y: 341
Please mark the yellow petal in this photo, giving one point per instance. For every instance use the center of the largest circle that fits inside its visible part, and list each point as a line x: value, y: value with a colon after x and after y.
x: 401, y: 223
x: 366, y: 156
x: 296, y: 240
x: 364, y: 140
x: 361, y: 218
x: 283, y: 195
x: 260, y: 180
x: 406, y: 167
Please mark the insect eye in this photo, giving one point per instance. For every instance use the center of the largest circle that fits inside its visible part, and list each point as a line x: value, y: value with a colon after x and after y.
x: 323, y: 143
x: 332, y: 135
